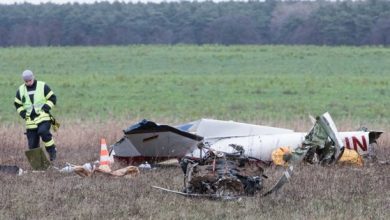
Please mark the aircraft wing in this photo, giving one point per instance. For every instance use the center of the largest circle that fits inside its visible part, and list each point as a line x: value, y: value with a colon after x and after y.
x: 148, y: 141
x: 217, y: 129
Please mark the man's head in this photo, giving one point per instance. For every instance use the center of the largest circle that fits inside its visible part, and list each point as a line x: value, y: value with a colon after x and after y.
x: 28, y: 77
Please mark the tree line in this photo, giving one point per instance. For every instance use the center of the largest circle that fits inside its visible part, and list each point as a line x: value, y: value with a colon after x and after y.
x: 253, y: 22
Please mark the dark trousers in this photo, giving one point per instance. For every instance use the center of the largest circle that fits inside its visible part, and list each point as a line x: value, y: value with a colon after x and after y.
x: 43, y: 131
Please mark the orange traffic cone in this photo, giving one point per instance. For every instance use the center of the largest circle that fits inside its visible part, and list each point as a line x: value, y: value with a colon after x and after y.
x: 104, y: 164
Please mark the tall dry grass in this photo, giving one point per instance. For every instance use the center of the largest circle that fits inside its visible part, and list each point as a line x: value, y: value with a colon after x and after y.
x: 335, y: 192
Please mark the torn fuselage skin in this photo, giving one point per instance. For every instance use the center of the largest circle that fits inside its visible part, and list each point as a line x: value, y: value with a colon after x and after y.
x: 222, y: 175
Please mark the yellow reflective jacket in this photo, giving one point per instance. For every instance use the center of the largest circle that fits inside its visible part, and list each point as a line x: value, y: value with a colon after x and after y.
x: 39, y: 100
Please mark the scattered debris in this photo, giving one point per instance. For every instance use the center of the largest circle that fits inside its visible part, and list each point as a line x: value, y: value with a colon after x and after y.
x: 11, y: 169
x: 221, y: 160
x: 209, y: 196
x: 223, y: 175
x: 129, y: 172
x: 145, y: 166
x: 89, y: 169
x: 322, y: 145
x: 38, y: 159
x: 101, y: 166
x: 283, y: 180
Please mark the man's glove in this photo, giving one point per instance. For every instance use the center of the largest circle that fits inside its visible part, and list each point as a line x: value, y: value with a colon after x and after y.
x: 55, y: 124
x: 23, y: 114
x: 46, y: 108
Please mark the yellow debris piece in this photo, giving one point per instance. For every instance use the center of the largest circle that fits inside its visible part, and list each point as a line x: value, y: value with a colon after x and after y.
x: 351, y: 157
x: 278, y: 155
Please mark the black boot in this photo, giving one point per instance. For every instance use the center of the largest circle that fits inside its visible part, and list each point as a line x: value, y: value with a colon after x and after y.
x: 52, y: 152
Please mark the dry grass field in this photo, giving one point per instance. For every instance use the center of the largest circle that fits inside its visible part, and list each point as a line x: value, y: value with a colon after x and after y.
x: 314, y: 192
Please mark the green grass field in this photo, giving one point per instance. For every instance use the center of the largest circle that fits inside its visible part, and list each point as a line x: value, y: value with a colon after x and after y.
x: 190, y: 82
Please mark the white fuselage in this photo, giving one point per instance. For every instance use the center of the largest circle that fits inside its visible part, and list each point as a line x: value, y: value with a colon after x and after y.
x: 262, y: 146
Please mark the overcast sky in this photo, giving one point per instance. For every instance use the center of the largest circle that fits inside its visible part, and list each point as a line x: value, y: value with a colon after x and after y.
x: 79, y: 1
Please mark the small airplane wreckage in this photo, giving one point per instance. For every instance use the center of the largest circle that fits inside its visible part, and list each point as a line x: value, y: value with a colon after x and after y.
x: 226, y: 159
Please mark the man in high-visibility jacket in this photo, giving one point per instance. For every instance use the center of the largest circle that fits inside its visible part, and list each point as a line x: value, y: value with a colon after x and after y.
x: 34, y: 100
